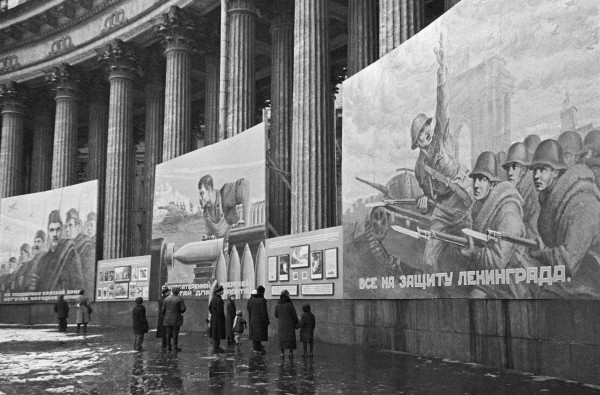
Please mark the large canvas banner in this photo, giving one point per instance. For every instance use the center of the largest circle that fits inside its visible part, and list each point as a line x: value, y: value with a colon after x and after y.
x: 471, y: 157
x: 48, y: 244
x: 209, y: 210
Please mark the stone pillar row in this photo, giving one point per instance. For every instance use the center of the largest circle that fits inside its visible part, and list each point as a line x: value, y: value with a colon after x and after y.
x: 43, y: 139
x: 211, y: 99
x: 399, y: 20
x: 362, y: 34
x: 12, y: 98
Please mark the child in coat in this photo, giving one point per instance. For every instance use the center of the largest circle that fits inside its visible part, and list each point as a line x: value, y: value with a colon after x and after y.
x: 307, y: 329
x: 239, y: 324
x: 140, y: 324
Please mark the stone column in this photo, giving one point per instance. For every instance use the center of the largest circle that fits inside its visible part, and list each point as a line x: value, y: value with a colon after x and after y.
x: 282, y: 82
x: 64, y: 81
x: 450, y: 3
x: 211, y: 99
x: 176, y: 31
x: 13, y: 132
x: 399, y: 20
x: 313, y: 185
x: 362, y: 34
x: 43, y: 139
x: 122, y: 63
x: 241, y: 96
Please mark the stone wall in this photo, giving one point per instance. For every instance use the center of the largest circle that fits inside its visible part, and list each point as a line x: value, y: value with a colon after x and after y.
x: 544, y: 337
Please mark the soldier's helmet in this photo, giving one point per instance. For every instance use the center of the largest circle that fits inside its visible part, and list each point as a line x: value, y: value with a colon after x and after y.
x: 592, y: 141
x: 571, y: 142
x: 420, y: 121
x: 517, y: 153
x: 550, y: 153
x: 531, y: 143
x: 486, y: 165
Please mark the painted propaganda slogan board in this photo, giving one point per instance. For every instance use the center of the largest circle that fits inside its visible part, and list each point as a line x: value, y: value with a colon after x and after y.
x: 209, y: 213
x: 471, y: 157
x: 48, y: 244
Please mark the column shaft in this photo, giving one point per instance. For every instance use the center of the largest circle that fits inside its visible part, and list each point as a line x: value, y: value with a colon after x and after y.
x: 362, y: 34
x: 399, y: 20
x: 11, y: 150
x: 241, y: 98
x: 178, y: 116
x: 313, y: 185
x: 211, y: 100
x: 97, y: 136
x: 450, y: 3
x: 41, y: 164
x: 64, y: 156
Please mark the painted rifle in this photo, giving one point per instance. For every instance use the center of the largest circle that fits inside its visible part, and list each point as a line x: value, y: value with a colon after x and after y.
x: 495, y: 236
x: 411, y: 202
x: 429, y: 234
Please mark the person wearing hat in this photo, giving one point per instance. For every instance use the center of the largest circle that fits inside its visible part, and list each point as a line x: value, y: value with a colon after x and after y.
x: 442, y: 178
x: 217, y: 319
x: 288, y: 319
x: 592, y: 153
x: 516, y: 167
x: 498, y: 206
x: 172, y: 309
x: 140, y: 323
x: 230, y: 313
x: 258, y: 318
x: 572, y: 146
x: 569, y: 222
x: 161, y: 332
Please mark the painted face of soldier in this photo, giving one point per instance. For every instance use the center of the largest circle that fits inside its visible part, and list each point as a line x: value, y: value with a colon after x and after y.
x: 543, y: 177
x: 570, y: 159
x: 90, y: 227
x: 514, y: 172
x: 425, y: 137
x: 37, y: 244
x: 481, y: 186
x: 54, y: 233
x: 205, y: 196
x: 71, y: 229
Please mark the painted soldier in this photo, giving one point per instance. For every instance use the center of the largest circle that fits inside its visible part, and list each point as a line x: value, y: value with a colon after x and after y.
x: 498, y: 206
x: 441, y: 177
x: 569, y: 222
x: 592, y: 154
x: 83, y: 243
x: 572, y: 146
x: 516, y: 167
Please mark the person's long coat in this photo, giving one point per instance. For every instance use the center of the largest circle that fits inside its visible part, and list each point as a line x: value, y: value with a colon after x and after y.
x: 307, y: 327
x: 160, y: 328
x: 138, y: 316
x: 258, y: 318
x: 61, y: 308
x: 288, y: 319
x: 173, y: 308
x: 229, y: 317
x: 83, y: 311
x: 217, y: 318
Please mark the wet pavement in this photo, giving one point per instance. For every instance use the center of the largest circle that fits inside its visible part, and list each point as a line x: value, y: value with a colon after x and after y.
x: 38, y: 359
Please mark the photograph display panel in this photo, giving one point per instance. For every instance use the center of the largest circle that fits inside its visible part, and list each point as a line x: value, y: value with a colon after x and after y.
x: 126, y: 281
x: 432, y: 133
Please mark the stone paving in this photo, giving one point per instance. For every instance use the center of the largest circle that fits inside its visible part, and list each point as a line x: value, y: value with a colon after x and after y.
x: 39, y: 360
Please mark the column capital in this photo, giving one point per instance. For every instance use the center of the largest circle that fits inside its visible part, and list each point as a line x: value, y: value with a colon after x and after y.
x: 121, y: 59
x: 13, y: 97
x: 176, y: 30
x: 64, y: 80
x: 242, y: 6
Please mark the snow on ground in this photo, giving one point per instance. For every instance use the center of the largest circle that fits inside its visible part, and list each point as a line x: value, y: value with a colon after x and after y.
x: 39, y: 335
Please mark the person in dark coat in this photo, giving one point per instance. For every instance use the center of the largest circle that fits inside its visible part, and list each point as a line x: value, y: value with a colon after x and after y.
x: 307, y: 329
x: 140, y: 324
x: 258, y: 317
x: 217, y: 319
x: 288, y: 319
x: 61, y: 308
x: 229, y: 317
x: 160, y: 328
x: 172, y: 309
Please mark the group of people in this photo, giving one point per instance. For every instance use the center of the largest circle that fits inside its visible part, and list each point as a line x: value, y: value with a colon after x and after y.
x: 84, y: 310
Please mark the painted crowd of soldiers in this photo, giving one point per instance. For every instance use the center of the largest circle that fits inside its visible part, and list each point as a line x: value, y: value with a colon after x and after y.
x: 62, y: 257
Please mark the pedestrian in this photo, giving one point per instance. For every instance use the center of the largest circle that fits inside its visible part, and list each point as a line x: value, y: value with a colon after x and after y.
x: 83, y: 312
x: 161, y: 332
x: 229, y: 317
x: 140, y: 323
x: 258, y: 317
x: 217, y: 319
x: 239, y: 324
x: 288, y: 319
x: 172, y: 309
x: 307, y: 329
x: 61, y: 308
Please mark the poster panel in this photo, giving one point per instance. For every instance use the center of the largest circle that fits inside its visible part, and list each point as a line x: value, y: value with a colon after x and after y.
x: 48, y: 244
x: 209, y: 211
x: 471, y: 158
x: 124, y: 278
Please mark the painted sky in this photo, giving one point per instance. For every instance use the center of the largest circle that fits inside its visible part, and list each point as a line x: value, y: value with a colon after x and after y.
x: 550, y: 47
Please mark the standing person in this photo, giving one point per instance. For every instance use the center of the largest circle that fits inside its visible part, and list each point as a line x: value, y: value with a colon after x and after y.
x: 172, y: 309
x: 307, y: 329
x: 161, y: 332
x: 288, y: 319
x: 83, y: 312
x: 61, y: 308
x: 239, y: 324
x: 140, y: 324
x: 217, y: 319
x: 229, y: 317
x: 258, y: 317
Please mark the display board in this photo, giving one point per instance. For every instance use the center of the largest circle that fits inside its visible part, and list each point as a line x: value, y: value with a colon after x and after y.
x: 48, y: 244
x: 439, y: 200
x: 209, y: 211
x: 126, y: 279
x: 308, y: 265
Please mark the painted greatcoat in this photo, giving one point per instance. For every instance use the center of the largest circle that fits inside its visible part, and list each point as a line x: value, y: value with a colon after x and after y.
x: 531, y: 204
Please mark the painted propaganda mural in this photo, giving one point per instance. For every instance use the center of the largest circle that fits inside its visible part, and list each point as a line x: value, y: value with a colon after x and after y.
x: 209, y: 212
x: 471, y: 157
x: 48, y: 244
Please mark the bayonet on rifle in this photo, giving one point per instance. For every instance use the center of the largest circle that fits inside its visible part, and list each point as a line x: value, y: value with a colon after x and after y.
x: 428, y: 234
x: 495, y: 236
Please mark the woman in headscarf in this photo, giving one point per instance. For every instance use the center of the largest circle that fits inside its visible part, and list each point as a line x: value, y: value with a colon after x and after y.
x: 288, y: 319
